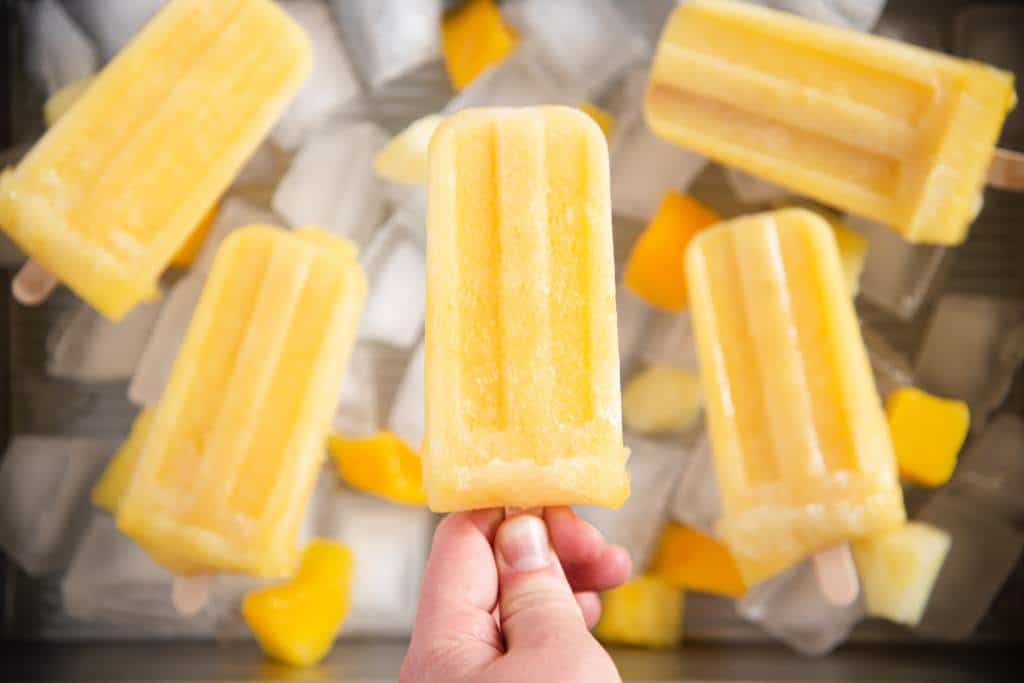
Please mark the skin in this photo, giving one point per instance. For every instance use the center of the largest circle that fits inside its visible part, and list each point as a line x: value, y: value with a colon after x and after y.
x: 513, y: 599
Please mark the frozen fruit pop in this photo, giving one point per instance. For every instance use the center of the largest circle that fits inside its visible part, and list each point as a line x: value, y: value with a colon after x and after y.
x: 801, y: 447
x: 522, y: 369
x: 237, y: 440
x: 105, y: 199
x: 885, y: 130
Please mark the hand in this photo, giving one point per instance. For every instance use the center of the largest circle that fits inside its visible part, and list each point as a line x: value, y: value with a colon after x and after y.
x: 513, y: 599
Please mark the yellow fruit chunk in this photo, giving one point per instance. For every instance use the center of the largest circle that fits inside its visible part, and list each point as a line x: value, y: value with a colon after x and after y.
x: 601, y: 116
x: 927, y: 433
x: 662, y: 400
x: 111, y: 487
x: 688, y: 559
x: 645, y: 611
x: 474, y: 37
x: 382, y: 465
x: 297, y: 622
x: 404, y: 159
x: 898, y: 569
x: 60, y: 102
x: 655, y: 268
x: 853, y: 249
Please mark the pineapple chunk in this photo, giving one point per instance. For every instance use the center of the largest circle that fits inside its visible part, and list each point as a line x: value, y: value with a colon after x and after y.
x: 662, y: 400
x: 404, y: 159
x: 646, y: 611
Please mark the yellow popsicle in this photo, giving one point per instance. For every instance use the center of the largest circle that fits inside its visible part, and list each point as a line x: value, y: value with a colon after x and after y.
x: 885, y: 130
x: 522, y: 371
x: 111, y: 192
x: 802, y: 451
x: 238, y: 437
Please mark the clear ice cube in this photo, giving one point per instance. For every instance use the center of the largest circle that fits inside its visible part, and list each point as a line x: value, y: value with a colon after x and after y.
x: 44, y: 497
x: 396, y: 267
x: 790, y: 607
x: 670, y: 341
x: 752, y: 190
x: 407, y: 417
x: 991, y: 471
x: 154, y: 367
x: 112, y: 580
x: 695, y: 502
x: 112, y: 23
x: 390, y: 543
x: 634, y: 317
x: 972, y: 350
x: 985, y: 550
x: 59, y: 52
x: 858, y: 14
x: 389, y: 38
x: 643, y: 166
x: 891, y: 368
x: 517, y: 81
x: 88, y: 347
x: 331, y: 84
x: 331, y: 183
x: 653, y: 471
x: 897, y: 275
x: 356, y: 415
x: 583, y: 44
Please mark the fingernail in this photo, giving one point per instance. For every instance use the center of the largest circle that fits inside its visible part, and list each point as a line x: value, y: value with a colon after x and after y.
x: 523, y: 544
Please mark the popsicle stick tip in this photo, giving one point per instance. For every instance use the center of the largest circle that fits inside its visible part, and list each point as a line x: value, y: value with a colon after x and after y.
x: 837, y: 575
x: 512, y: 511
x: 1006, y: 172
x: 190, y: 594
x: 33, y: 284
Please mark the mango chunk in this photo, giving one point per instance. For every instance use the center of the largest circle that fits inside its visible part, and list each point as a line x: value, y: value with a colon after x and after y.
x: 474, y: 37
x: 688, y: 559
x: 382, y: 465
x: 927, y: 434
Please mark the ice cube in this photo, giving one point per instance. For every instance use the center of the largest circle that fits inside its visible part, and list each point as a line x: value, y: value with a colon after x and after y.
x: 985, y: 551
x: 517, y: 81
x: 44, y: 497
x: 412, y: 201
x: 59, y: 52
x: 154, y: 367
x: 752, y: 190
x: 331, y: 84
x: 356, y: 415
x: 408, y: 98
x: 112, y: 580
x: 644, y: 167
x: 972, y: 350
x: 857, y: 14
x: 112, y: 23
x: 991, y: 472
x: 790, y: 607
x: 260, y: 176
x: 695, y: 502
x: 670, y: 341
x: 331, y: 183
x: 898, y: 276
x: 396, y: 304
x: 390, y: 543
x: 583, y: 44
x: 634, y: 316
x: 653, y: 472
x: 388, y: 38
x: 891, y: 368
x: 406, y: 418
x: 91, y: 348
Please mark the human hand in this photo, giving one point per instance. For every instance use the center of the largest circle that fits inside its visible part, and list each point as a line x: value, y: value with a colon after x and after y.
x: 513, y: 599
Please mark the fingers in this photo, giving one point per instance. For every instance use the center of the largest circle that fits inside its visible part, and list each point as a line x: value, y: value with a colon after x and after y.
x: 536, y: 605
x: 590, y: 562
x: 454, y: 624
x: 590, y: 606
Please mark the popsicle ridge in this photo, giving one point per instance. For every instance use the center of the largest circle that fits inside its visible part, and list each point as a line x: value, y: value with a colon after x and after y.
x: 521, y: 341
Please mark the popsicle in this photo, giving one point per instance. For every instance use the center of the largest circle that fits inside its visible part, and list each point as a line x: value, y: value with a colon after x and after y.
x: 885, y: 130
x: 802, y: 452
x: 237, y: 440
x: 522, y: 373
x: 111, y: 192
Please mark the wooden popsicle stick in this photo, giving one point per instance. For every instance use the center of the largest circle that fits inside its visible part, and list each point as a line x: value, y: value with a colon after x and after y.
x: 837, y: 575
x: 33, y: 284
x: 190, y: 594
x: 1006, y: 172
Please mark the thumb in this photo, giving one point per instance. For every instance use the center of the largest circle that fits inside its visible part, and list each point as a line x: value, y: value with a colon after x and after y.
x: 536, y: 605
